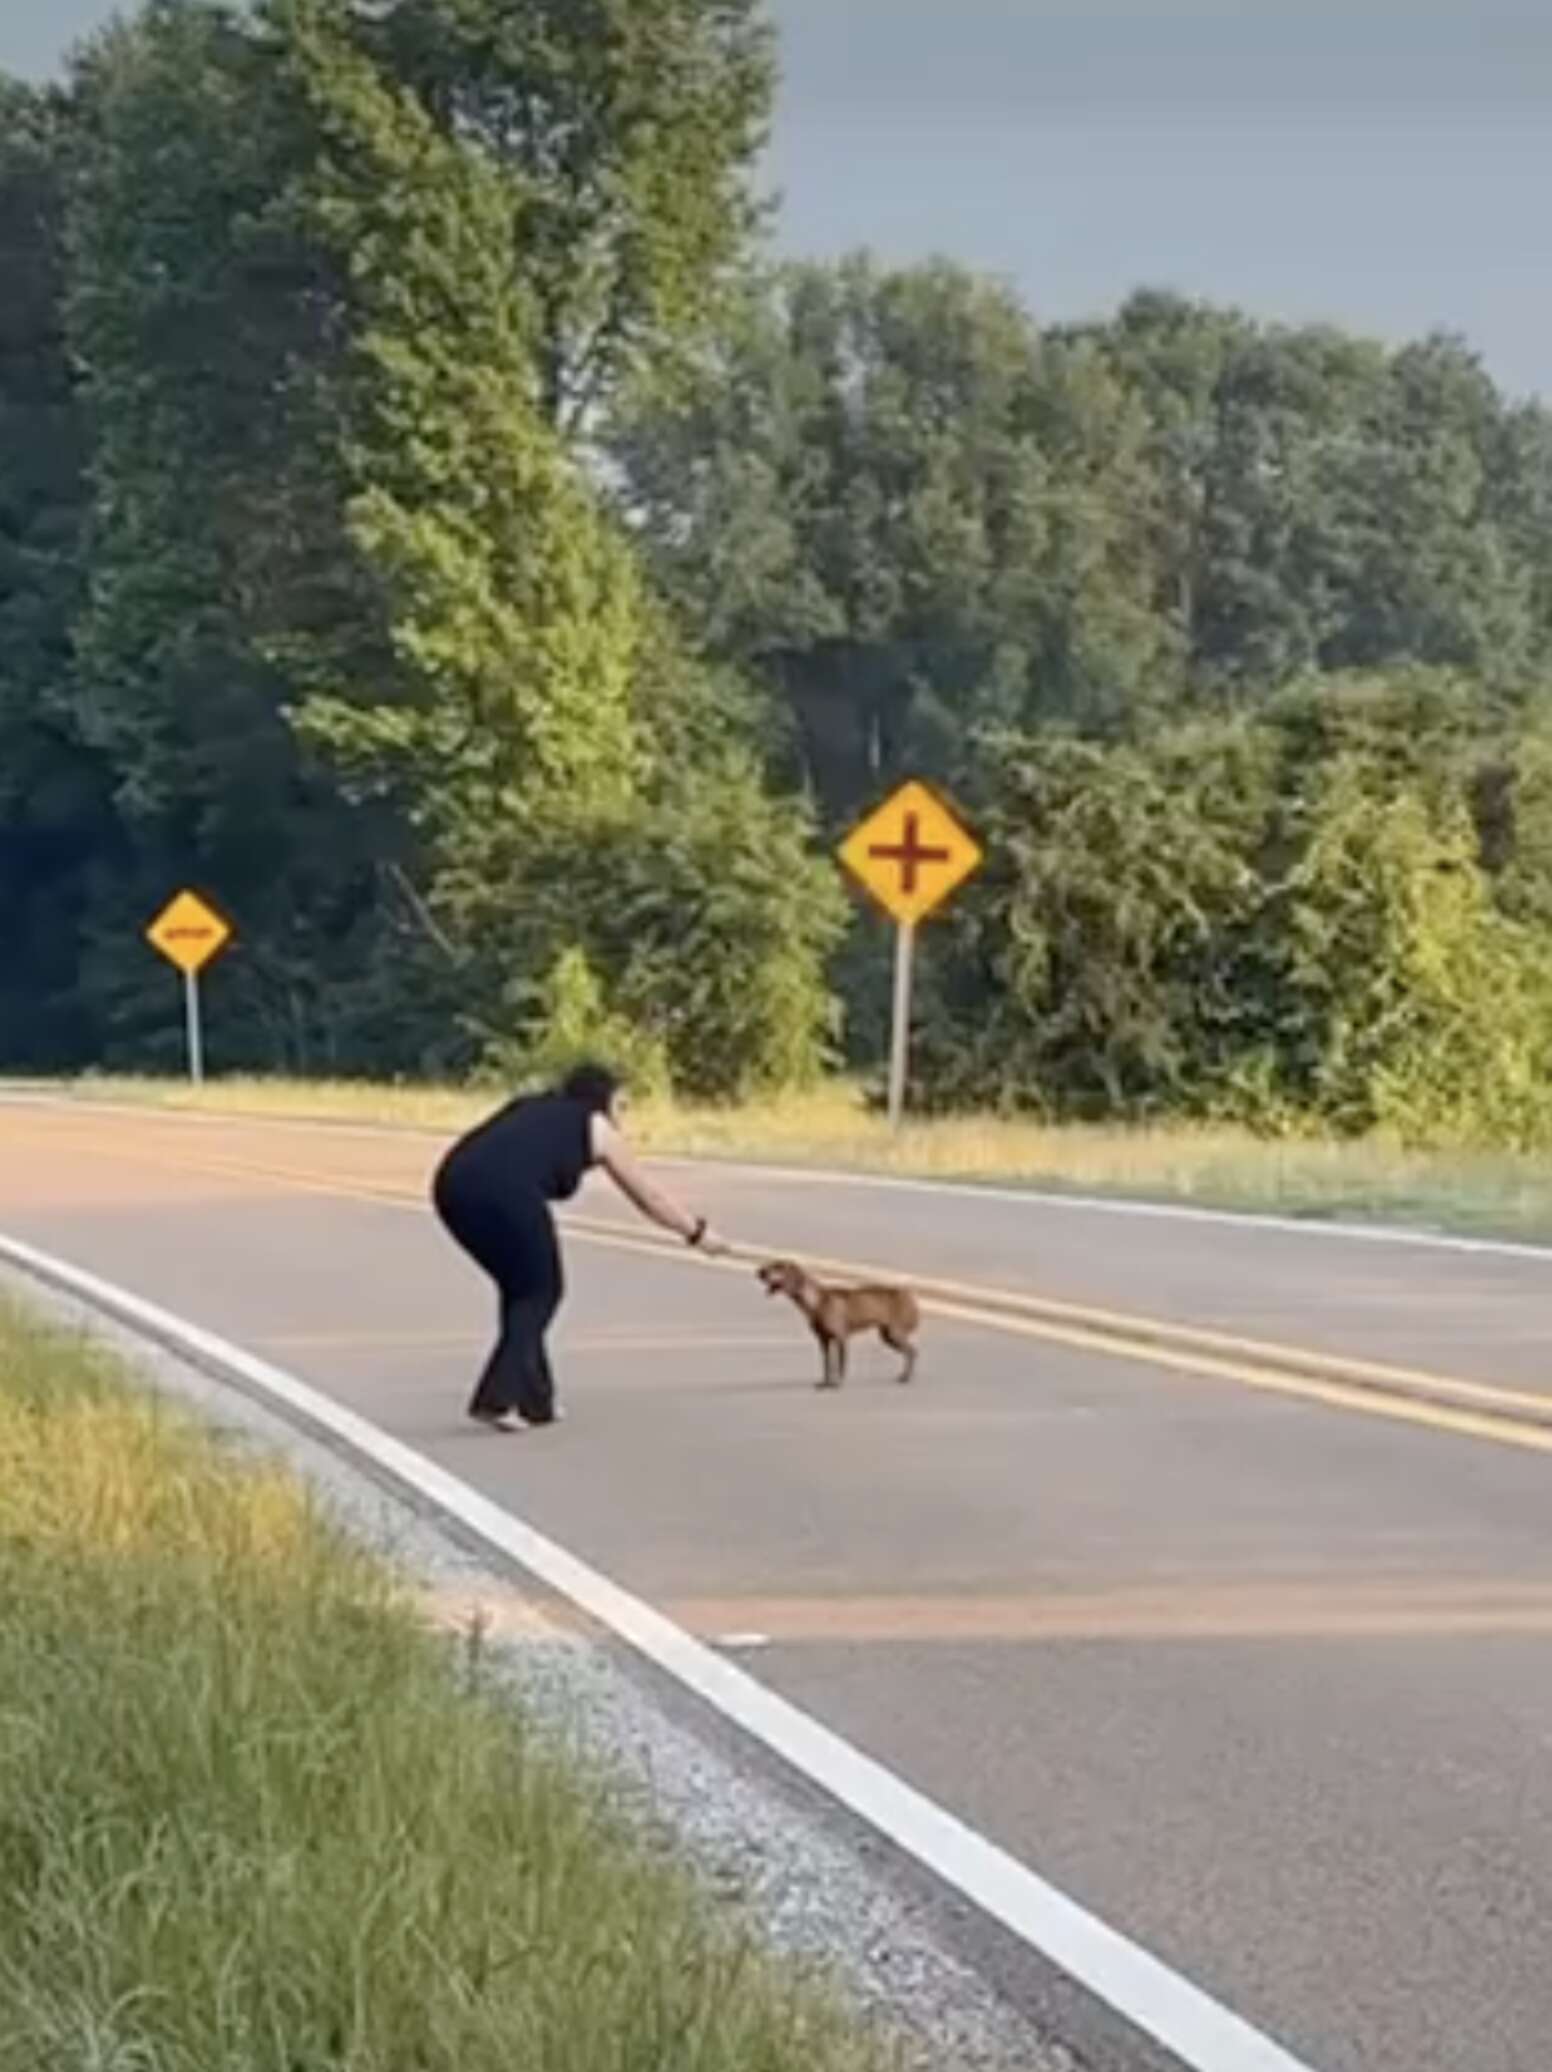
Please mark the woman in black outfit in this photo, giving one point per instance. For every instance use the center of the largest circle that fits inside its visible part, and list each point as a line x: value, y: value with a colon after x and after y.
x: 493, y: 1191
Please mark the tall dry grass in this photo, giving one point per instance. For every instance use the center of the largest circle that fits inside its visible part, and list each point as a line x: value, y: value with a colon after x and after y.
x: 1484, y: 1192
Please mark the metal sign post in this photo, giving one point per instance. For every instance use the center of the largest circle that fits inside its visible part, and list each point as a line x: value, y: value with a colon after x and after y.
x: 910, y: 854
x: 188, y: 933
x: 900, y: 1029
x: 193, y: 1033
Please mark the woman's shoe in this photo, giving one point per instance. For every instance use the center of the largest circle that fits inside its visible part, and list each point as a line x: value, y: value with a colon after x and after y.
x: 499, y: 1420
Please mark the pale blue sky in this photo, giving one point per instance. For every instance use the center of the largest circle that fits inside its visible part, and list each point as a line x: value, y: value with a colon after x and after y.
x: 1386, y: 164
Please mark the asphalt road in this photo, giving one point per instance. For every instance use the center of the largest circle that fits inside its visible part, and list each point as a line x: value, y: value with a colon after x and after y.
x: 1266, y: 1684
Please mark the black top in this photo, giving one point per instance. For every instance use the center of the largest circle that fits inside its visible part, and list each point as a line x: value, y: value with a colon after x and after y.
x: 541, y: 1144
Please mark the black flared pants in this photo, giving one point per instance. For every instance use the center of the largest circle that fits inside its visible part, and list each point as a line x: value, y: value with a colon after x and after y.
x: 514, y: 1240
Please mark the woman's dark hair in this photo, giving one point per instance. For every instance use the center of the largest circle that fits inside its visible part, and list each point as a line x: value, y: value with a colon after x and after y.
x: 595, y: 1086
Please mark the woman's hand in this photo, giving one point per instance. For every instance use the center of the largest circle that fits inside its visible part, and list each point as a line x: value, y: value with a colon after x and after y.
x: 713, y: 1246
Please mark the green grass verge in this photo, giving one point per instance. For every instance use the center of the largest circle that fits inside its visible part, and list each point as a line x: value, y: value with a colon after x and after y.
x: 254, y: 1817
x: 1481, y: 1192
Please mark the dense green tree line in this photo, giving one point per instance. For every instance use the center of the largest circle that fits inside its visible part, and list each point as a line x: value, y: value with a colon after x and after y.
x: 1235, y: 640
x: 427, y: 525
x: 916, y: 515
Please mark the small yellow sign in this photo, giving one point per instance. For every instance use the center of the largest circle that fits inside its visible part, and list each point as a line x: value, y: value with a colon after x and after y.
x: 189, y: 933
x: 911, y: 853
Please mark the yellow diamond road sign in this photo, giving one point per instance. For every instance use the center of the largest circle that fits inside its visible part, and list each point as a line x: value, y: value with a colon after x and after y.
x: 188, y: 933
x: 911, y: 853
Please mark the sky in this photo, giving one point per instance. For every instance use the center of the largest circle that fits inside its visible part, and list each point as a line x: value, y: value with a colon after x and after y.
x: 1383, y: 164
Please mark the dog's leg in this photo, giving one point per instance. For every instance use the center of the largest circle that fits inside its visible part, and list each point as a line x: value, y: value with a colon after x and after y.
x: 827, y: 1348
x: 899, y: 1343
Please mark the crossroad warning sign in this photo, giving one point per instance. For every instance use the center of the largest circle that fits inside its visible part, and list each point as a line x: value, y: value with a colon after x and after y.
x: 189, y: 933
x: 911, y: 853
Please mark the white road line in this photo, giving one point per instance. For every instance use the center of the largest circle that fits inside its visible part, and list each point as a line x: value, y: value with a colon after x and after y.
x: 897, y: 1183
x: 1203, y: 2035
x: 1116, y: 1205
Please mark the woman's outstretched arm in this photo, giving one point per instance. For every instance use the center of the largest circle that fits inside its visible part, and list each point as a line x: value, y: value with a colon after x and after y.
x: 618, y: 1160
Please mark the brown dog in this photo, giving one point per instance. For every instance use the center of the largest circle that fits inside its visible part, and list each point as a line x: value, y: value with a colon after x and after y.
x: 838, y: 1314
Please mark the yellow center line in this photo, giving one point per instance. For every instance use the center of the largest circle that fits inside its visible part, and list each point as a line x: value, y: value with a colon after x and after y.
x: 1337, y: 1608
x: 1439, y: 1403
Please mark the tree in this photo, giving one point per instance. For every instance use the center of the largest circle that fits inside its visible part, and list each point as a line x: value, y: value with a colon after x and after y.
x: 1433, y: 573
x: 58, y: 835
x: 1290, y: 918
x: 539, y: 727
x: 625, y: 132
x: 1328, y: 505
x: 885, y: 499
x: 1091, y: 969
x: 206, y: 327
x: 361, y: 648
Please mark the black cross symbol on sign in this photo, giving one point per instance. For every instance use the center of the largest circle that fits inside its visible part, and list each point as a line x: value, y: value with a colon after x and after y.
x: 910, y: 853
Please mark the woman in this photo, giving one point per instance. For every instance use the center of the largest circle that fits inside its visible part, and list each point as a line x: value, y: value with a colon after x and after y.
x: 493, y: 1191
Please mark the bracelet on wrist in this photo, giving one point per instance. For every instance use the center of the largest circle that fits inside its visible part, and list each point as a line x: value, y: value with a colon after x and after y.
x: 697, y: 1236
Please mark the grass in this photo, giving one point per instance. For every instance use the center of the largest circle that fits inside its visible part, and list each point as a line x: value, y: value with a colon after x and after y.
x: 254, y: 1817
x: 1483, y: 1192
